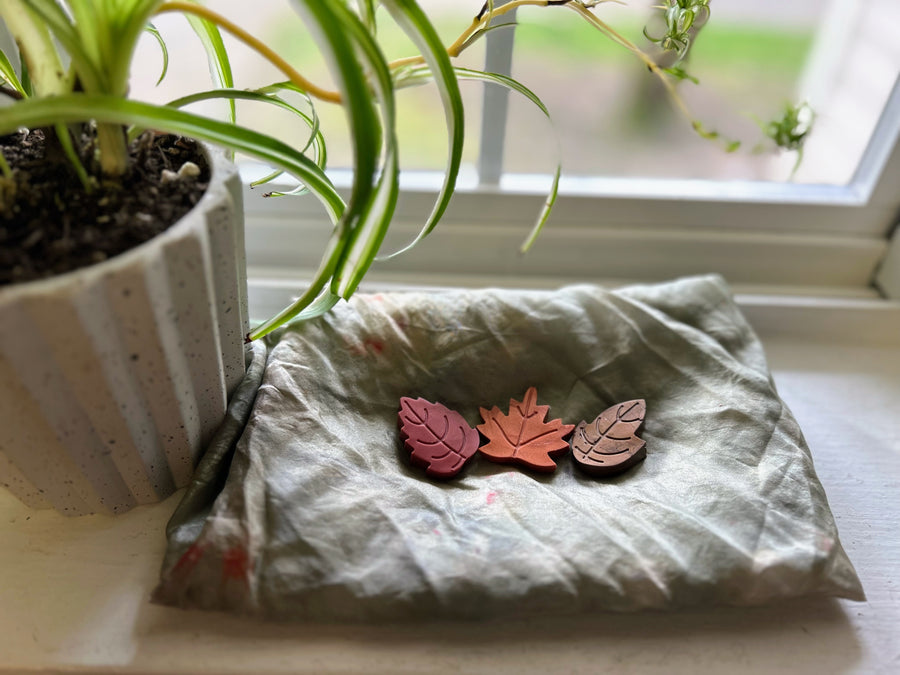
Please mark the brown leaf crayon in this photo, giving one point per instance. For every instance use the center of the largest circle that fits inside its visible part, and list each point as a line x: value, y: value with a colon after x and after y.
x: 610, y: 445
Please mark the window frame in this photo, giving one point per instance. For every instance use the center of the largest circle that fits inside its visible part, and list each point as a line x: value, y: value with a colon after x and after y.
x: 773, y: 238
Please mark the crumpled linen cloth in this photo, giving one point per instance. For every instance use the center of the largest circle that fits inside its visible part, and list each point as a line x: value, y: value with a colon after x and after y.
x: 307, y: 507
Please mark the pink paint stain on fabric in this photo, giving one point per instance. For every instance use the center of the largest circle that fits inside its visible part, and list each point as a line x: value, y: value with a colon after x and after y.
x: 491, y: 498
x: 235, y: 564
x: 188, y: 561
x: 368, y: 346
x: 375, y: 345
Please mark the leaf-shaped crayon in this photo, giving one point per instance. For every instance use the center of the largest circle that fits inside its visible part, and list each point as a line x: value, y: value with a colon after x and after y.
x: 438, y: 438
x: 609, y: 444
x: 523, y: 436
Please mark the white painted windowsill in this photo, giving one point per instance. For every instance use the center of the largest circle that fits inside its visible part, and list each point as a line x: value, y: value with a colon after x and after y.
x: 74, y: 592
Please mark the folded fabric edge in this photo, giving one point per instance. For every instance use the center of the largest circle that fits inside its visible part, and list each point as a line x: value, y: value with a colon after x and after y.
x: 209, y: 478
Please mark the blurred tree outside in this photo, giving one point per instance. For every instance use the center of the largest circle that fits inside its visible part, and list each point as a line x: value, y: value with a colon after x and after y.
x: 616, y: 119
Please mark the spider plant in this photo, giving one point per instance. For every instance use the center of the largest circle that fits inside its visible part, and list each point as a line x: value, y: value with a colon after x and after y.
x: 75, y: 60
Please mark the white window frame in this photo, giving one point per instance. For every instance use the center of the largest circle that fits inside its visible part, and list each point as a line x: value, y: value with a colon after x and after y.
x: 773, y: 238
x: 764, y: 237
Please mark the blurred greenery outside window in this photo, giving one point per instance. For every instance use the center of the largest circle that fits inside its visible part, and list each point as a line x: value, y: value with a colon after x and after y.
x: 611, y: 117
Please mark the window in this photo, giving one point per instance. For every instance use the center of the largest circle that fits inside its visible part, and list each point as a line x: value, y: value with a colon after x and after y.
x: 825, y: 235
x: 751, y: 59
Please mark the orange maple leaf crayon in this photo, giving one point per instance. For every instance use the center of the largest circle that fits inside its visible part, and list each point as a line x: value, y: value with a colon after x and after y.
x: 522, y: 436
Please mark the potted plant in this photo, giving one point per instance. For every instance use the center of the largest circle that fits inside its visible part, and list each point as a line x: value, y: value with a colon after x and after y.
x: 117, y: 360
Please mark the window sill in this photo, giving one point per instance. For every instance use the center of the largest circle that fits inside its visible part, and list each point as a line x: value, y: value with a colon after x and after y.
x: 478, y: 245
x: 802, y: 313
x: 75, y: 591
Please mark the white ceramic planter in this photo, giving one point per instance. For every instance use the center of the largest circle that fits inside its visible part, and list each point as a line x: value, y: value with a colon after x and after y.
x: 113, y: 377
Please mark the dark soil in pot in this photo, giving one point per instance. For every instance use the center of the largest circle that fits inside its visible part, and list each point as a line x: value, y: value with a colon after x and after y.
x: 49, y: 224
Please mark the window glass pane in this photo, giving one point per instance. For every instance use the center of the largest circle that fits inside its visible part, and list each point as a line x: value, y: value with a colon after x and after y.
x: 421, y: 126
x: 614, y: 118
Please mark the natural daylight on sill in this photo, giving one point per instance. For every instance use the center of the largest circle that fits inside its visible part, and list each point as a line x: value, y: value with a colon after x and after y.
x: 828, y: 315
x: 811, y: 312
x: 811, y: 236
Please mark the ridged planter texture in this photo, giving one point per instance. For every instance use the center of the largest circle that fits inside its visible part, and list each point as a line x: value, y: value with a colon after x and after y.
x: 113, y: 377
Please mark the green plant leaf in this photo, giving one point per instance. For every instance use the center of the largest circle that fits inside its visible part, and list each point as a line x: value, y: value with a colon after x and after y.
x: 415, y: 24
x: 367, y: 13
x: 509, y: 25
x: 154, y: 31
x: 418, y: 74
x: 331, y: 24
x: 128, y: 22
x: 520, y: 88
x: 65, y: 140
x: 27, y: 84
x: 99, y: 37
x: 791, y: 129
x: 92, y: 24
x: 8, y: 74
x: 375, y: 217
x: 216, y: 55
x: 328, y: 23
x: 680, y: 73
x: 38, y: 51
x: 241, y: 94
x: 319, y: 306
x: 316, y: 140
x: 268, y: 178
x: 5, y: 169
x: 373, y: 194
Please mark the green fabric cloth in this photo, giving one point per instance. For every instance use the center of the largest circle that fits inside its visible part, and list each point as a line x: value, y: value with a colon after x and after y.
x: 322, y: 516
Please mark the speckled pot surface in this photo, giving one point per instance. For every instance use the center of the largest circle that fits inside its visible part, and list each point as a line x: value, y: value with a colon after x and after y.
x: 115, y: 376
